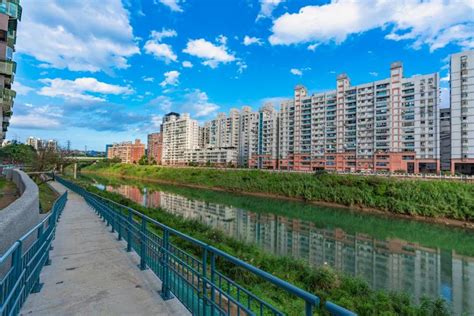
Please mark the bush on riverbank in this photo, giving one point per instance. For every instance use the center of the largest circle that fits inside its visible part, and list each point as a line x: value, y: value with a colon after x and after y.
x: 352, y: 293
x: 434, y: 198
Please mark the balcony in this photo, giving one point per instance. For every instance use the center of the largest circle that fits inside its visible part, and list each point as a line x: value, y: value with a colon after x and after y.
x: 11, y: 8
x: 7, y: 68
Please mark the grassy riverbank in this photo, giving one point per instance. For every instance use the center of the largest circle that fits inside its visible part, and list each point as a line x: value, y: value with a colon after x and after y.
x: 352, y: 293
x: 47, y: 196
x: 437, y: 198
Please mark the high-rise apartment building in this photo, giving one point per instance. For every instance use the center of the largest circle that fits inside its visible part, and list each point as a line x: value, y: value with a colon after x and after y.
x: 462, y: 112
x: 127, y: 152
x: 155, y: 147
x: 248, y: 132
x: 34, y: 142
x: 445, y: 139
x: 386, y: 125
x: 264, y: 147
x: 180, y: 133
x: 10, y: 14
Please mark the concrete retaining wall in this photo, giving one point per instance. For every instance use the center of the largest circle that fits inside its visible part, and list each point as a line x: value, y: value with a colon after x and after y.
x: 21, y: 215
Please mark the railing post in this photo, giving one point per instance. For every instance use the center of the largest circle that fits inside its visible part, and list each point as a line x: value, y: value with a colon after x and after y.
x: 129, y: 231
x: 143, y: 244
x: 204, y: 282
x: 119, y: 224
x: 16, y: 258
x: 213, y: 280
x: 113, y: 218
x: 308, y: 308
x: 165, y: 288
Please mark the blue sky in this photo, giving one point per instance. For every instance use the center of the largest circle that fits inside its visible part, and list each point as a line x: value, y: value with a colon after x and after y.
x: 99, y: 72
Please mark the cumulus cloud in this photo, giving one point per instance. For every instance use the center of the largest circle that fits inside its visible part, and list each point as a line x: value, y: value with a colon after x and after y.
x: 299, y: 72
x: 251, y: 40
x: 163, y: 102
x: 197, y: 102
x: 187, y: 64
x: 173, y: 5
x: 148, y: 79
x: 296, y: 72
x: 374, y: 74
x: 21, y: 89
x: 410, y: 20
x: 85, y: 89
x: 160, y: 50
x: 212, y: 54
x: 28, y: 116
x: 267, y: 7
x: 81, y: 35
x: 171, y: 78
x: 164, y: 33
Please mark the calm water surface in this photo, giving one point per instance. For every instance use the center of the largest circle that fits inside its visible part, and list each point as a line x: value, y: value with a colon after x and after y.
x: 391, y: 254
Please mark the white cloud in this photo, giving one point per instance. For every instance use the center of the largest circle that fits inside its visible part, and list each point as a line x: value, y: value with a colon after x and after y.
x: 148, y: 79
x: 164, y: 103
x: 446, y: 78
x: 404, y: 19
x: 163, y: 34
x: 197, y: 102
x: 373, y: 73
x: 171, y: 78
x: 187, y: 64
x: 242, y: 66
x: 212, y: 54
x: 38, y: 117
x: 251, y: 40
x: 172, y: 4
x: 160, y: 50
x: 21, y: 89
x: 267, y: 7
x: 299, y: 72
x: 296, y: 72
x: 81, y: 35
x: 81, y: 89
x: 312, y: 47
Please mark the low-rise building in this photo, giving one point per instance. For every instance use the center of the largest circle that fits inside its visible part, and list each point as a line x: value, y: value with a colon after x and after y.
x: 222, y: 157
x: 127, y: 152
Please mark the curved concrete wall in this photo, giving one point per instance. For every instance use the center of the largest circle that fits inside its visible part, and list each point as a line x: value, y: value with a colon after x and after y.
x: 23, y: 214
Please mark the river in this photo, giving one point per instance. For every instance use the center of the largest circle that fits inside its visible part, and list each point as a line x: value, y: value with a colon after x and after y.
x: 389, y: 253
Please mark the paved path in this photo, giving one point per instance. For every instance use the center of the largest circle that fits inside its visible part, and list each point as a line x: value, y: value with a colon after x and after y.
x: 91, y: 274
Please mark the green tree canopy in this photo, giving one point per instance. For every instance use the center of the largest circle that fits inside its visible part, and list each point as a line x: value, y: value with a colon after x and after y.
x: 17, y: 154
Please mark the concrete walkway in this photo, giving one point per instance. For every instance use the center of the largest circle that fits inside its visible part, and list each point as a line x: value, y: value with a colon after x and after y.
x: 92, y: 274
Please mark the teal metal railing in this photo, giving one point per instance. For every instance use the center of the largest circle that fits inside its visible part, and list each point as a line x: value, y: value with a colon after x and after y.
x: 21, y: 264
x: 194, y: 279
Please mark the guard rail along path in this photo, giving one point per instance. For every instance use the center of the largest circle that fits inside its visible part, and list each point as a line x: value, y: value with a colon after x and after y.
x: 194, y: 279
x: 21, y: 264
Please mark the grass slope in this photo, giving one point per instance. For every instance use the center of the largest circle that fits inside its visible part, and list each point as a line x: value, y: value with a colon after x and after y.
x: 435, y: 198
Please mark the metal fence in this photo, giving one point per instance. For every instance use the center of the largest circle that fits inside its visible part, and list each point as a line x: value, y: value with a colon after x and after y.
x: 201, y: 281
x: 21, y: 264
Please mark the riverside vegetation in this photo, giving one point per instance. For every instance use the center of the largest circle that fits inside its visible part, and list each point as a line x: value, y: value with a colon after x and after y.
x: 352, y: 293
x: 434, y: 198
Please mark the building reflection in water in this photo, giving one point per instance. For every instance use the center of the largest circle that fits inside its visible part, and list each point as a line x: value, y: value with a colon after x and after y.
x: 394, y: 264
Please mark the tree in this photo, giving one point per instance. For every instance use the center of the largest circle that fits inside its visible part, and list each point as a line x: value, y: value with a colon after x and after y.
x: 143, y: 160
x: 18, y: 154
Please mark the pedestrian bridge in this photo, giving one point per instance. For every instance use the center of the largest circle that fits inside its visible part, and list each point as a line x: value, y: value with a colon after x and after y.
x: 93, y: 256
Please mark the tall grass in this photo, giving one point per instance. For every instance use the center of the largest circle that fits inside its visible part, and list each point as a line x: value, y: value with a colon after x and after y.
x: 434, y: 198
